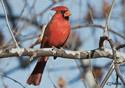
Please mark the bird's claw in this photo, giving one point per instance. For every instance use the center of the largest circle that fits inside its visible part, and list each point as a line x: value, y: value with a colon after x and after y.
x: 55, y: 50
x: 62, y: 49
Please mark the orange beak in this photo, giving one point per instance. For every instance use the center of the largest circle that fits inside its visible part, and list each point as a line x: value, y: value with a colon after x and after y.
x: 67, y: 13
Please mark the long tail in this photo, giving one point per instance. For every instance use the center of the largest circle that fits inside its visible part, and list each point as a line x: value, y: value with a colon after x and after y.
x: 37, y: 73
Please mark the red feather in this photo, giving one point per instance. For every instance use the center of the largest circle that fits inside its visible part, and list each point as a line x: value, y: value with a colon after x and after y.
x: 56, y: 34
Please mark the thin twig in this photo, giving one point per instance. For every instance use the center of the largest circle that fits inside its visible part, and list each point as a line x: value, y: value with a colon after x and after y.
x: 107, y: 28
x: 20, y: 16
x: 89, y: 55
x: 120, y: 46
x: 82, y: 77
x: 108, y: 75
x: 99, y: 26
x: 42, y: 33
x: 107, y: 20
x: 13, y: 80
x: 8, y: 25
x: 14, y: 30
x: 40, y: 38
x: 90, y: 12
x: 116, y: 82
x: 93, y: 72
x: 12, y: 45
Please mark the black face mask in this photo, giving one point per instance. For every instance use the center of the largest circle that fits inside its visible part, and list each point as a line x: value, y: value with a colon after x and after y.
x: 63, y: 12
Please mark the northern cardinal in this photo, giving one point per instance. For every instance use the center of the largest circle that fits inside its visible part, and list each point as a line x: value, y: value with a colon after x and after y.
x: 56, y: 34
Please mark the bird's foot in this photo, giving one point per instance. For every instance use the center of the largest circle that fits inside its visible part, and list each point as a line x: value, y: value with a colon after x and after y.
x: 54, y: 52
x: 61, y: 49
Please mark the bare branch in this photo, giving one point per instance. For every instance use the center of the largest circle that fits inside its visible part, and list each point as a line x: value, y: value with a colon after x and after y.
x: 14, y: 30
x: 40, y: 38
x: 102, y: 39
x: 90, y: 12
x: 97, y: 53
x: 8, y: 25
x: 120, y: 46
x: 108, y: 75
x: 107, y: 19
x: 13, y: 45
x: 93, y: 72
x: 115, y: 62
x: 99, y: 26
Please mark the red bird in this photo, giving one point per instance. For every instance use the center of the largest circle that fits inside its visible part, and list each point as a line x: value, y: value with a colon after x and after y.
x: 56, y: 34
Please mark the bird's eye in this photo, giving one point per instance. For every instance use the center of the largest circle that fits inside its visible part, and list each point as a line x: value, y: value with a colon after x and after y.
x: 63, y: 11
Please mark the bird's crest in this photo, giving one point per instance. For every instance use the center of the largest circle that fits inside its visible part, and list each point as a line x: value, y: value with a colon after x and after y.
x: 59, y: 8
